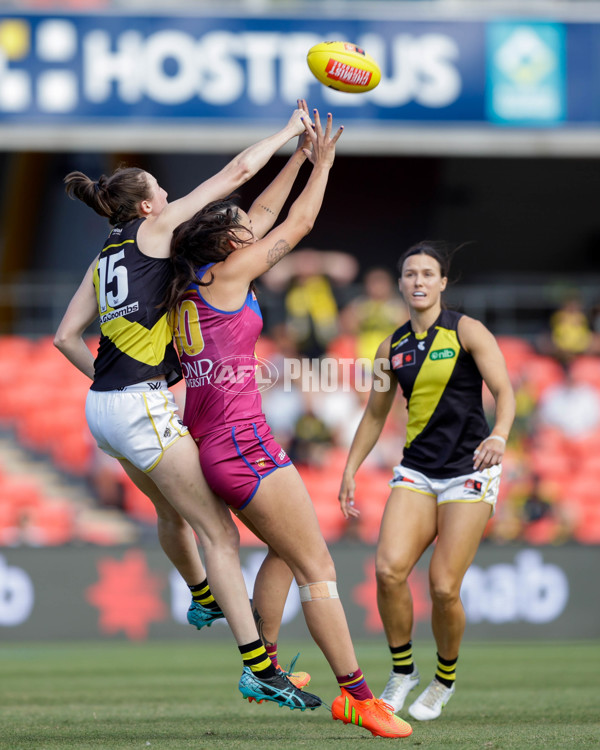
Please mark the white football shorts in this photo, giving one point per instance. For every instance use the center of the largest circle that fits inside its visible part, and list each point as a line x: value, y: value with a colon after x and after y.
x: 469, y: 488
x: 138, y: 422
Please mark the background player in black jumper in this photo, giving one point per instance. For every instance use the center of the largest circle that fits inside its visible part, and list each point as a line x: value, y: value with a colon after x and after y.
x: 447, y: 483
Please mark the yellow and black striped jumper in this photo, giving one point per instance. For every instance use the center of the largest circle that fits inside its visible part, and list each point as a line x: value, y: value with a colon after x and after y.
x: 443, y: 391
x: 136, y: 341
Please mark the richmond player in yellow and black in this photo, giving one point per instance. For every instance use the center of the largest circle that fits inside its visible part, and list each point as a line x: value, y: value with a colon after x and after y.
x: 446, y: 485
x: 136, y: 342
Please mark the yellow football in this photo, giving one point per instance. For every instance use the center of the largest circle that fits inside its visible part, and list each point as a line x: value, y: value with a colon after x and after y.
x: 343, y: 66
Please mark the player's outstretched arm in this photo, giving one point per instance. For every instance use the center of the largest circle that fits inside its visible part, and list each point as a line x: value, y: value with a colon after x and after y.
x: 264, y: 211
x: 239, y: 170
x: 250, y: 261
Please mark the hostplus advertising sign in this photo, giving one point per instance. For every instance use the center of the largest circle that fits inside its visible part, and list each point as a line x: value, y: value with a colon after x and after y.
x: 88, y: 67
x: 116, y: 69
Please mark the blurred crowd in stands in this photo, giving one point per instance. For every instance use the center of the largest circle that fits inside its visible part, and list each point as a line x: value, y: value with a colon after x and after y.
x: 325, y: 318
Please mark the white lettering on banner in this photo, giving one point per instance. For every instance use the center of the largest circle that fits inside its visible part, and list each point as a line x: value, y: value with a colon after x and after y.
x: 295, y: 73
x: 180, y: 593
x: 423, y: 70
x: 16, y: 595
x: 528, y: 590
x: 262, y: 52
x: 161, y: 86
x: 172, y: 67
x: 103, y: 67
x: 440, y: 81
x: 180, y: 597
x: 223, y: 77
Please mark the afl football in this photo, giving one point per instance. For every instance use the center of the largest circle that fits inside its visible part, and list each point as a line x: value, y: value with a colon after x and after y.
x: 343, y: 66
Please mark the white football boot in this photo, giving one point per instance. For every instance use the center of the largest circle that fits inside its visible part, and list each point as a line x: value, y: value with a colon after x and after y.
x: 398, y: 687
x: 429, y: 704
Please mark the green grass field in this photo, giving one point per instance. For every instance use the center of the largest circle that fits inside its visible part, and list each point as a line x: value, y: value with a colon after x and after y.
x: 161, y: 695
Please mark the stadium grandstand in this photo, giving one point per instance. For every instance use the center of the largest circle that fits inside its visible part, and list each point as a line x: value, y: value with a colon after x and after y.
x: 484, y: 132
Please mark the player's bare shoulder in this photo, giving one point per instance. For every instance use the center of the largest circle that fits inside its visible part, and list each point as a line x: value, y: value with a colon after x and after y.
x: 154, y: 237
x: 383, y: 350
x: 472, y: 333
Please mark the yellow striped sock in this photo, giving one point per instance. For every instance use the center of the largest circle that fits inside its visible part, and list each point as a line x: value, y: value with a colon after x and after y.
x: 254, y: 655
x: 402, y: 658
x: 202, y: 594
x: 446, y: 671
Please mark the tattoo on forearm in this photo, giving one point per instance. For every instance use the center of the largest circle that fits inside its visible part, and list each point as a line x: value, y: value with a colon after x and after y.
x: 276, y: 253
x: 267, y: 209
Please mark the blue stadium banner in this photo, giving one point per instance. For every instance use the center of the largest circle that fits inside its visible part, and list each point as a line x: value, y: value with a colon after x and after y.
x: 115, y: 69
x: 526, y: 73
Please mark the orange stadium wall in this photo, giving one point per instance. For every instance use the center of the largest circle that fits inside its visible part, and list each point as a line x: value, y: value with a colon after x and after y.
x: 133, y: 593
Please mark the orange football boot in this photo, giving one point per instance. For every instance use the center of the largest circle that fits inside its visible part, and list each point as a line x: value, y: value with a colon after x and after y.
x: 373, y: 714
x: 298, y: 679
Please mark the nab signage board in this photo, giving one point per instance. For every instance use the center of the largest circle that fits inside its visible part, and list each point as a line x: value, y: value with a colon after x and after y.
x: 133, y: 593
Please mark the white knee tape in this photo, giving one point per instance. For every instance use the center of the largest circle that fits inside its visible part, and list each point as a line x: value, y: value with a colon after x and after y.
x: 319, y: 590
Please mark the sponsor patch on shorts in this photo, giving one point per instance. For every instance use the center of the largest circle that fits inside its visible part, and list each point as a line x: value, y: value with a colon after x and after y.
x: 473, y: 486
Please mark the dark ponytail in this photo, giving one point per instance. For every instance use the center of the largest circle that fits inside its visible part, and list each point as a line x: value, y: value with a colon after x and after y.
x: 203, y: 239
x: 116, y: 197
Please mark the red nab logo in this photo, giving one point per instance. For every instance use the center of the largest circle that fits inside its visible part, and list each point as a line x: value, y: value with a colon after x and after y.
x: 403, y: 359
x: 473, y: 484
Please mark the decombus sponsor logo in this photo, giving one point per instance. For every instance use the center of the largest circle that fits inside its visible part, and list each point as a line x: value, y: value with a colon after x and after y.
x: 527, y: 590
x: 16, y: 594
x: 127, y: 310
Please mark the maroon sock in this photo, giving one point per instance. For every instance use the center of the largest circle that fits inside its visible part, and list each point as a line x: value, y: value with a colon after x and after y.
x: 356, y: 685
x: 271, y: 649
